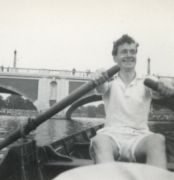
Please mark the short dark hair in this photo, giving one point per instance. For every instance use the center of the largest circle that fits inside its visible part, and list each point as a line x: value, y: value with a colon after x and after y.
x: 124, y: 39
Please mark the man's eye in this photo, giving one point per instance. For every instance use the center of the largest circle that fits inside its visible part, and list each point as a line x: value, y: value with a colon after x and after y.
x: 132, y: 51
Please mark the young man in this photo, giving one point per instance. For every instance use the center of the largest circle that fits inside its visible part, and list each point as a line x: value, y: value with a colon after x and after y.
x: 127, y: 103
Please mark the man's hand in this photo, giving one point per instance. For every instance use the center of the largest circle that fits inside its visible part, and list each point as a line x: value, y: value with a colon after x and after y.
x: 100, y: 76
x: 166, y: 87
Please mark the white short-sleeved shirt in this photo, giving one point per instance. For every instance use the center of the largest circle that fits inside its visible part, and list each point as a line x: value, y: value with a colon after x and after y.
x: 127, y: 107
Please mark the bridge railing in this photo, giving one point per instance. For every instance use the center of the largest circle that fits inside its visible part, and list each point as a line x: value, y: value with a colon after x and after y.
x: 66, y: 73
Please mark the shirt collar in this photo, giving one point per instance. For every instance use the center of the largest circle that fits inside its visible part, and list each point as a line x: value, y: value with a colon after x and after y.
x: 133, y: 82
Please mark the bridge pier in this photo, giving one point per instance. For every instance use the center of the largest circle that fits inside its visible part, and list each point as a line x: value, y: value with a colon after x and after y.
x: 48, y: 93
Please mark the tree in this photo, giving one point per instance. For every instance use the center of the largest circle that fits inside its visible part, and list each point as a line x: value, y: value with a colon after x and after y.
x: 15, y: 102
x: 100, y: 110
x: 29, y: 105
x: 91, y: 111
x: 2, y: 102
x: 18, y: 102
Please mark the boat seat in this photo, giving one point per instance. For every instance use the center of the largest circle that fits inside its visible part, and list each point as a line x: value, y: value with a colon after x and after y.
x: 69, y: 164
x: 84, y: 162
x: 86, y: 144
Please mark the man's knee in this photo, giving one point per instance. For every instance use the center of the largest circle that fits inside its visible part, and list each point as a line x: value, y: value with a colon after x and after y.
x: 156, y: 151
x: 150, y: 147
x: 103, y: 146
x: 156, y: 142
x: 100, y: 142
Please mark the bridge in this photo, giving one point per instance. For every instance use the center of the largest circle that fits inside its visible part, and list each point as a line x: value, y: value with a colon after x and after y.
x: 43, y: 87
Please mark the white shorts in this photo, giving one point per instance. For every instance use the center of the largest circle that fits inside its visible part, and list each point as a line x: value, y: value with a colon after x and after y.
x: 126, y: 139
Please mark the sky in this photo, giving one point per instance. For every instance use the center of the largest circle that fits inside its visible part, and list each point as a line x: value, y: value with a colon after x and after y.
x: 67, y: 34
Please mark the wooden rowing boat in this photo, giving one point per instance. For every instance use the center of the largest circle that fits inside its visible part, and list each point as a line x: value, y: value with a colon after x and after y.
x: 26, y: 161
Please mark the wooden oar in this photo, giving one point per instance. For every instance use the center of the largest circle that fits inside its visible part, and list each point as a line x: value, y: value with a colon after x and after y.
x: 164, y: 101
x: 154, y: 85
x: 151, y: 84
x: 75, y: 95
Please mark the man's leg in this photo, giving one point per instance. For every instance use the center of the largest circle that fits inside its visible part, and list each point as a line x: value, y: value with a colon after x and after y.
x: 103, y: 149
x: 152, y: 149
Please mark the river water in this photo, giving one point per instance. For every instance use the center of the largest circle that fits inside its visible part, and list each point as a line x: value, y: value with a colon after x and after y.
x: 55, y: 129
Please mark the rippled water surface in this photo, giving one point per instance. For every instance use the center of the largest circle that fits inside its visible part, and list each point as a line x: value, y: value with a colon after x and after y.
x: 55, y: 129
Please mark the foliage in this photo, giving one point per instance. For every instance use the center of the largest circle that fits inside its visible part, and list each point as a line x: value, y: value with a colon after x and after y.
x: 12, y: 124
x: 16, y: 102
x: 91, y: 111
x: 2, y: 102
x: 101, y: 110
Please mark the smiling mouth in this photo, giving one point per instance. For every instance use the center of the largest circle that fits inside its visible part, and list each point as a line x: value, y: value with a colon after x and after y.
x: 129, y: 61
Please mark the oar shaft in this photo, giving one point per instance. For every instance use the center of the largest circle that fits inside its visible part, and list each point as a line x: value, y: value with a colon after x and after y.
x: 75, y: 95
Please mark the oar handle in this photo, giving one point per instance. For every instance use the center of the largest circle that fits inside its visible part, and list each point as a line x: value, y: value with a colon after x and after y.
x: 154, y: 85
x: 151, y: 84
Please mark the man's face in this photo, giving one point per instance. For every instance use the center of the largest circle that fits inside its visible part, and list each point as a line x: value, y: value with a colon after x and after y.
x: 126, y: 56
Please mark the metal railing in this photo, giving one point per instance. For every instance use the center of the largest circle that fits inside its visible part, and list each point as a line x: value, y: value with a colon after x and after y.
x: 66, y: 73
